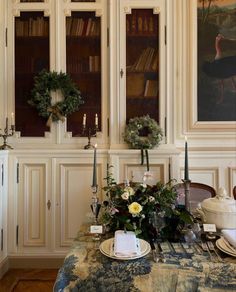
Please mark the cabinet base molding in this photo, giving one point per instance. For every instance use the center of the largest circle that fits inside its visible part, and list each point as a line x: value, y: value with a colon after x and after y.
x: 35, y: 262
x: 4, y: 267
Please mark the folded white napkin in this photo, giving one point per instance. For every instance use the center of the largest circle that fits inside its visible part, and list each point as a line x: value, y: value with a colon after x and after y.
x: 125, y: 244
x: 230, y: 235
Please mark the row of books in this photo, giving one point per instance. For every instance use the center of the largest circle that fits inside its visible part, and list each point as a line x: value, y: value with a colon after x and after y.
x: 137, y: 86
x: 138, y: 23
x: 82, y: 27
x: 146, y: 61
x: 32, y: 27
x: 151, y: 88
x: 90, y: 64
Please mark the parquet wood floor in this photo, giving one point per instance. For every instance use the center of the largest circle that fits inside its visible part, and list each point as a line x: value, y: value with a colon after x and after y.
x: 28, y: 280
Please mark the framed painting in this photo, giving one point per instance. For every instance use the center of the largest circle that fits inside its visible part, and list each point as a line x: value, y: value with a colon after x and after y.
x: 216, y: 61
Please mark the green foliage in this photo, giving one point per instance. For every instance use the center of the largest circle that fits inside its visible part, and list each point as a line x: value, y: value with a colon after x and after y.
x: 45, y: 83
x: 133, y: 133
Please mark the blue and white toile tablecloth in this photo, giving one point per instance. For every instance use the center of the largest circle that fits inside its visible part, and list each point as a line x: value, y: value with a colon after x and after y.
x: 86, y: 269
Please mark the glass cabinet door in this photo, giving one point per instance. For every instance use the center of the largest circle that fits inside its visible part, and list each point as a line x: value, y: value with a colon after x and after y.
x: 31, y: 56
x: 142, y: 59
x: 83, y: 63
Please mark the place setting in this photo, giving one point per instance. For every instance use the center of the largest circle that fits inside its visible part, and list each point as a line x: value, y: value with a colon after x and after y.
x: 125, y: 246
x: 227, y: 242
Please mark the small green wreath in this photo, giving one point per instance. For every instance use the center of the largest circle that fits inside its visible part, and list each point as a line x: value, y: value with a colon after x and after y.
x: 134, y: 129
x: 44, y: 83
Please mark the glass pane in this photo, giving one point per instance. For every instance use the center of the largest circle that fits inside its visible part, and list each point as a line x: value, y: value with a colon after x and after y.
x: 142, y: 64
x: 31, y: 56
x: 83, y: 62
x: 31, y: 0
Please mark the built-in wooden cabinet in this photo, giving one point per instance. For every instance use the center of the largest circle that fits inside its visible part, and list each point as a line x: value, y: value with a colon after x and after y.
x: 75, y: 37
x: 3, y: 207
x: 139, y: 46
x: 67, y: 36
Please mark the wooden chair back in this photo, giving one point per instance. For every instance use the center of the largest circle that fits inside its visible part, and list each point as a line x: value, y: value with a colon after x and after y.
x: 198, y: 192
x: 234, y: 192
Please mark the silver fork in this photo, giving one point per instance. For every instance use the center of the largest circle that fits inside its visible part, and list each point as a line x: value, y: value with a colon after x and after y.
x: 212, y: 248
x: 205, y: 248
x: 161, y: 254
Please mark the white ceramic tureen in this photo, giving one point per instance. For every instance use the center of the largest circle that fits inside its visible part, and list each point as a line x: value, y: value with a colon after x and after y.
x: 219, y: 210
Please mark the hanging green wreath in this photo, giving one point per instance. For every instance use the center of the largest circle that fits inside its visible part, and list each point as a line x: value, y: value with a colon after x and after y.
x: 41, y: 99
x: 133, y: 134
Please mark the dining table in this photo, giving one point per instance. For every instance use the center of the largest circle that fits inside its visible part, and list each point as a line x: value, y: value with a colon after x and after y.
x: 181, y: 267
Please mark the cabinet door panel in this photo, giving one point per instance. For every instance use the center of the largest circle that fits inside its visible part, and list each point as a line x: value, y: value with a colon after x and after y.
x: 74, y: 196
x: 34, y: 214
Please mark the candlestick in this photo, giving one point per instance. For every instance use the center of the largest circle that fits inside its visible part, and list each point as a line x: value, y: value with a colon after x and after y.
x: 96, y: 120
x: 186, y: 172
x: 84, y: 120
x: 94, y: 183
x: 12, y: 119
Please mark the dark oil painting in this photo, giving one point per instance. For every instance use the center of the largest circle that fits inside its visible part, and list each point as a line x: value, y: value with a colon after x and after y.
x: 216, y: 60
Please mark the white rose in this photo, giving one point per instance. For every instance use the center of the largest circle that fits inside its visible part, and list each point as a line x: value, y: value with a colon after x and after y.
x: 129, y: 190
x: 125, y: 196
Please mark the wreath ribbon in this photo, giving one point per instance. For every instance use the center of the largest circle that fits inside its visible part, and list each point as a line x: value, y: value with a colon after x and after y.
x: 54, y: 110
x: 147, y: 157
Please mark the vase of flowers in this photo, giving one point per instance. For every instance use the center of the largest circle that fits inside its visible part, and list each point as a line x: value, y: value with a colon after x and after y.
x: 142, y: 208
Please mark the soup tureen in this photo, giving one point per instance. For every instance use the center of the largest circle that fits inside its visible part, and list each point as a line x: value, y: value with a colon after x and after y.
x: 219, y: 210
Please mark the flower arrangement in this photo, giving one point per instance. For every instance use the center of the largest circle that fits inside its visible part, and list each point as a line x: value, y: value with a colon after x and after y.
x: 143, y: 209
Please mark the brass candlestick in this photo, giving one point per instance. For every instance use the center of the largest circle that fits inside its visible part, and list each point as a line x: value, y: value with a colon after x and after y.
x: 89, y: 132
x: 7, y: 133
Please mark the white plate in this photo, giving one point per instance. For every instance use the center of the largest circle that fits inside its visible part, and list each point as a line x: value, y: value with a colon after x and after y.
x: 220, y: 243
x: 105, y: 248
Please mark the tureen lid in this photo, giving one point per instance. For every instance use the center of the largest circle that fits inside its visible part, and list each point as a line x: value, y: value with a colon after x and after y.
x: 222, y: 202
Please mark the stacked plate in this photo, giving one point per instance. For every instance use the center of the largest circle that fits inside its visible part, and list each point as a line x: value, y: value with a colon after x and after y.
x: 107, y: 248
x: 226, y: 247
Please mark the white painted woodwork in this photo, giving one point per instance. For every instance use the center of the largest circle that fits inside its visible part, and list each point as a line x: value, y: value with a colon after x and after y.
x: 57, y: 169
x: 202, y: 134
x: 127, y: 165
x: 74, y: 196
x: 34, y: 217
x: 3, y: 206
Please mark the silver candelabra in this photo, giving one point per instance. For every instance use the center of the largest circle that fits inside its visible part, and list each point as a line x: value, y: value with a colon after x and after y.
x: 187, y: 183
x: 89, y: 132
x: 7, y: 133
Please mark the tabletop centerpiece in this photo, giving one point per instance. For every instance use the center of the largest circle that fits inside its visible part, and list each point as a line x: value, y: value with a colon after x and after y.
x: 149, y: 211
